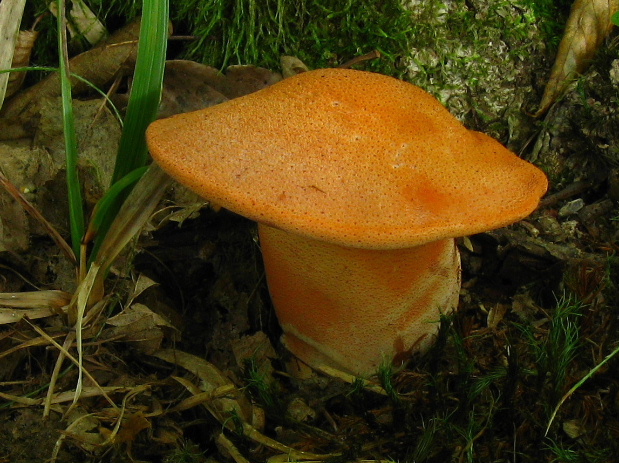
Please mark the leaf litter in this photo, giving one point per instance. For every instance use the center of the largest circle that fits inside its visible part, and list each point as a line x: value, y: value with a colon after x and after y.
x: 588, y: 26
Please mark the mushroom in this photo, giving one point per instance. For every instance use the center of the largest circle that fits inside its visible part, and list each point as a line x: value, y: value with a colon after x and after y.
x: 359, y: 183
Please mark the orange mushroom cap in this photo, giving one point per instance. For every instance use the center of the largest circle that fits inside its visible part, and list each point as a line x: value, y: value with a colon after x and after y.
x: 350, y: 157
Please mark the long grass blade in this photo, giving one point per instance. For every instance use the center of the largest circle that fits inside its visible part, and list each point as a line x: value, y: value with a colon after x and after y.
x: 576, y: 386
x: 146, y: 91
x: 142, y: 107
x: 76, y: 211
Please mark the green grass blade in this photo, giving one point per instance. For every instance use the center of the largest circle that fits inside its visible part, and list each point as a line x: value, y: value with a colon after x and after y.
x: 102, y: 208
x: 142, y: 107
x: 146, y: 91
x: 576, y: 386
x: 76, y: 210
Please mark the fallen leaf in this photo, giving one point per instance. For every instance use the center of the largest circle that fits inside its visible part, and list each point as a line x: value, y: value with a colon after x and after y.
x: 186, y: 87
x: 141, y: 285
x: 574, y: 429
x: 141, y: 326
x: 258, y: 348
x: 32, y: 178
x: 21, y: 58
x: 291, y: 66
x: 587, y: 27
x: 97, y: 66
x: 84, y: 428
x: 24, y: 172
x: 131, y: 427
x: 496, y: 314
x: 244, y: 79
x: 11, y: 12
x: 83, y: 22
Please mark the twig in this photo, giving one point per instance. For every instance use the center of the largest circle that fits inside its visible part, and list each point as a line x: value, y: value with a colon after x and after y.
x: 569, y: 191
x: 374, y: 54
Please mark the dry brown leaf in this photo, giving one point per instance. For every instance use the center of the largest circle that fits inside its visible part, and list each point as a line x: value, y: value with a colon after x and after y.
x: 141, y: 326
x: 241, y: 80
x: 186, y: 87
x: 141, y: 285
x: 98, y: 66
x: 496, y: 314
x: 31, y: 304
x: 211, y: 379
x: 189, y: 86
x: 31, y: 179
x: 27, y: 169
x: 587, y: 27
x: 82, y: 22
x: 21, y: 58
x: 291, y: 66
x: 83, y: 427
x: 11, y: 12
x: 130, y: 428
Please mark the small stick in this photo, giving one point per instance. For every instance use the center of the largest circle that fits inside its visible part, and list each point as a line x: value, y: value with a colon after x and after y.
x: 374, y: 54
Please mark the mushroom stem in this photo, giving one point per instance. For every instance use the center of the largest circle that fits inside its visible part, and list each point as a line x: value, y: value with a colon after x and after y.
x: 353, y: 308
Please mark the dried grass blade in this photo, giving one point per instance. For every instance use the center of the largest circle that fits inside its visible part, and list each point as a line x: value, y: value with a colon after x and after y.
x: 135, y: 391
x: 76, y: 318
x: 51, y: 299
x: 8, y: 316
x: 132, y: 216
x: 255, y: 435
x: 209, y: 374
x: 35, y: 342
x: 56, y: 373
x: 20, y: 400
x: 576, y: 386
x: 227, y: 444
x: 90, y: 391
x: 200, y: 398
x: 68, y: 355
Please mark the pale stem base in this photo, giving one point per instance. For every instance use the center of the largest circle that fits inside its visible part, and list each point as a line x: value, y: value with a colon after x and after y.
x: 353, y: 309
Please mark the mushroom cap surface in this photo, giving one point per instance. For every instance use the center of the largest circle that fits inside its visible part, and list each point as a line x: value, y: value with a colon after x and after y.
x: 350, y: 157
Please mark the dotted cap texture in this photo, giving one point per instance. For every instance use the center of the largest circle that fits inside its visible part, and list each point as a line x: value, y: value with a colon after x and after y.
x: 351, y: 157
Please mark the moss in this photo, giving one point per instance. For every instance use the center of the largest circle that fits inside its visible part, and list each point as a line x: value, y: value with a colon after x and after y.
x: 474, y: 56
x: 323, y: 33
x: 552, y: 15
x: 469, y: 54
